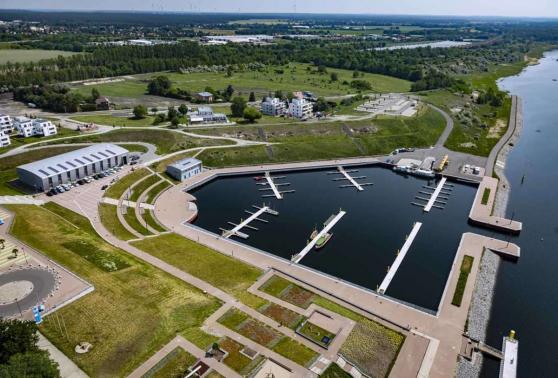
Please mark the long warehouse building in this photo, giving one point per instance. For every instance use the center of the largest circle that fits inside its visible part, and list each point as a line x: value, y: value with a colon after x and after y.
x: 45, y: 174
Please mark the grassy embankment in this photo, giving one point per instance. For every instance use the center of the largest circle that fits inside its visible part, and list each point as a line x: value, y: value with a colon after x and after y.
x: 315, y: 141
x: 8, y: 165
x: 117, y: 189
x: 135, y: 308
x: 288, y: 78
x: 165, y: 140
x: 110, y: 120
x: 466, y: 266
x: 371, y: 344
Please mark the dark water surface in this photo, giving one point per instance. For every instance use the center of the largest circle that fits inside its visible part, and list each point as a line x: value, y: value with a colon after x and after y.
x: 526, y: 297
x: 365, y: 240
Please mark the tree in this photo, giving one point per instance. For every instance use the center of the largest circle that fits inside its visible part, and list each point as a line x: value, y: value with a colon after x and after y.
x: 237, y: 107
x: 159, y: 86
x: 361, y: 85
x: 30, y: 364
x: 229, y: 92
x: 229, y: 71
x: 15, y: 251
x: 172, y: 113
x: 334, y: 76
x: 252, y: 97
x: 140, y: 111
x: 279, y: 94
x: 251, y: 114
x: 95, y: 94
x: 183, y: 109
x: 175, y: 122
x: 17, y: 337
x: 355, y: 74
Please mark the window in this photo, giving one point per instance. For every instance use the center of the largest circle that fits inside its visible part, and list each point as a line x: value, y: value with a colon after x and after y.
x: 77, y: 173
x: 86, y: 171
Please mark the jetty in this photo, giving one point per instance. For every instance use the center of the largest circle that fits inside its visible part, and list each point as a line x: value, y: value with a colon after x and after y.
x: 236, y: 230
x: 399, y: 259
x: 508, y: 365
x: 327, y: 226
x: 352, y: 179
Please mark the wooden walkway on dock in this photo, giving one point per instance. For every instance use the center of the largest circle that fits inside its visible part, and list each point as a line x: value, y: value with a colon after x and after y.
x: 434, y: 195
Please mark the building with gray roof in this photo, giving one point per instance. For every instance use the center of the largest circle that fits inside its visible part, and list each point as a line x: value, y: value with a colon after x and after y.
x: 185, y: 168
x: 47, y: 173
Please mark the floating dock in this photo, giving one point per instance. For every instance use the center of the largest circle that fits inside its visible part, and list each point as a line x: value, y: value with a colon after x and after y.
x: 435, y: 195
x: 272, y: 185
x: 245, y: 223
x: 351, y: 179
x: 399, y: 259
x: 299, y: 256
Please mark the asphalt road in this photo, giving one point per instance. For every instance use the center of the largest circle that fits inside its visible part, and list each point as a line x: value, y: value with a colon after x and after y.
x: 43, y: 284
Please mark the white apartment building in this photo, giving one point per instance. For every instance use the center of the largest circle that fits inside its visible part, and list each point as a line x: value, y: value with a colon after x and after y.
x: 273, y: 106
x: 300, y: 108
x: 4, y: 139
x: 30, y: 127
x: 6, y: 124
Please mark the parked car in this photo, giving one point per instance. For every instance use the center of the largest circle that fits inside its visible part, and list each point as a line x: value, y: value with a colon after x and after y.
x: 133, y: 162
x: 52, y: 192
x: 60, y: 189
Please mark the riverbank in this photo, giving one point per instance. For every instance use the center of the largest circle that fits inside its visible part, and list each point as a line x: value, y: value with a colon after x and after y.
x: 479, y: 313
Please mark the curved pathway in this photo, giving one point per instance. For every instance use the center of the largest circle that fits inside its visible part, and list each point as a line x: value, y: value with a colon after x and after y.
x: 515, y: 117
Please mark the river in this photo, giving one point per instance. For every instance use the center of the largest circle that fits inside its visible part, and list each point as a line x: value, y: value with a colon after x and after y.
x: 526, y: 293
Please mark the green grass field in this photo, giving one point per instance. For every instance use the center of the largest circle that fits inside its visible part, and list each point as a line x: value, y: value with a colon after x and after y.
x: 165, y: 140
x: 173, y: 365
x: 110, y: 120
x: 154, y: 192
x: 34, y: 55
x: 228, y: 274
x: 295, y: 77
x: 8, y: 165
x: 316, y: 141
x: 117, y: 189
x: 464, y: 271
x: 133, y: 311
x: 150, y: 219
x: 137, y: 224
x: 109, y: 218
x: 142, y: 186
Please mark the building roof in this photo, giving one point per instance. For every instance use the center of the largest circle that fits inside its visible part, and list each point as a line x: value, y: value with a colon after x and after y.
x: 55, y: 165
x: 185, y: 163
x: 205, y: 94
x: 205, y: 109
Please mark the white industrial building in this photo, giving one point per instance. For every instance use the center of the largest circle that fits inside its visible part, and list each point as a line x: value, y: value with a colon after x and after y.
x: 184, y: 168
x: 273, y: 106
x: 27, y: 127
x: 71, y: 166
x: 300, y: 108
x: 6, y: 124
x: 204, y: 114
x: 4, y: 139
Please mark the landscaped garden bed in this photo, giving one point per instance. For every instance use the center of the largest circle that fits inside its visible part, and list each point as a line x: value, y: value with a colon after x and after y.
x: 282, y: 315
x: 316, y: 334
x: 288, y: 291
x: 236, y: 359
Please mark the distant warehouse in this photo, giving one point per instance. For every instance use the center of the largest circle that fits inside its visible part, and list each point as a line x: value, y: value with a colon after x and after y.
x: 184, y: 168
x: 71, y: 166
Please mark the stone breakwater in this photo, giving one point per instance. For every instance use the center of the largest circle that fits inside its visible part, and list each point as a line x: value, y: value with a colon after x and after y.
x: 479, y: 313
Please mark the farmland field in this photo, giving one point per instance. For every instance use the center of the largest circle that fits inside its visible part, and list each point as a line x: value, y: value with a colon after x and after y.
x: 23, y: 56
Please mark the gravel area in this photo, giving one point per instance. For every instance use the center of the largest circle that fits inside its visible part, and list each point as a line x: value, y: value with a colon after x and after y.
x: 479, y: 313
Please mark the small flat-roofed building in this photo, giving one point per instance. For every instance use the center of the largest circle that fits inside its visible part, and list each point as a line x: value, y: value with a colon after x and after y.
x: 205, y: 97
x: 273, y: 106
x: 6, y: 124
x: 71, y: 166
x: 24, y: 126
x: 184, y: 168
x: 103, y: 103
x: 4, y: 139
x: 204, y: 114
x: 44, y: 127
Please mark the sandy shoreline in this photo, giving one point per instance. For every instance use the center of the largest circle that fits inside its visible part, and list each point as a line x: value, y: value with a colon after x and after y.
x: 479, y: 313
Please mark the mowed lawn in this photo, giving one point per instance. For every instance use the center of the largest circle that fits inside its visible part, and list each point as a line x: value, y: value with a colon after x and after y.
x: 110, y: 120
x: 135, y: 308
x: 33, y: 55
x: 288, y: 78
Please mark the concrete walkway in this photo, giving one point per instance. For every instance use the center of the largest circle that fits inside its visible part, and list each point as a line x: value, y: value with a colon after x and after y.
x: 68, y: 369
x: 20, y: 200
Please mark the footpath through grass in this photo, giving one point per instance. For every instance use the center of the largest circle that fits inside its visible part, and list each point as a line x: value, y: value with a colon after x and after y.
x: 166, y: 141
x: 134, y: 310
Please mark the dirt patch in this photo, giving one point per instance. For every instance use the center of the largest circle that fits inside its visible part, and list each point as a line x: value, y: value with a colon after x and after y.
x: 468, y: 145
x: 495, y: 131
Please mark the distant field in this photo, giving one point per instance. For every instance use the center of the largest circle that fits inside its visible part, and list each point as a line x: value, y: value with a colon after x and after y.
x: 294, y: 77
x: 22, y: 56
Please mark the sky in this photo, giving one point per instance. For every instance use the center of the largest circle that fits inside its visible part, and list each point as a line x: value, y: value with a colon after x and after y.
x: 512, y: 8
